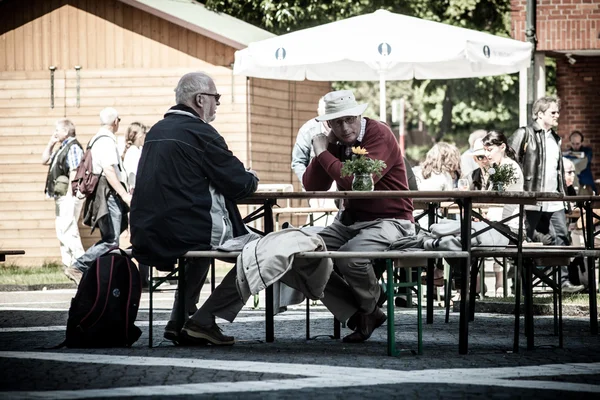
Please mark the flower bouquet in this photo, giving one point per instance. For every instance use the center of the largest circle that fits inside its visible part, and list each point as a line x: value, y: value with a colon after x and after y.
x: 363, y: 168
x: 501, y: 176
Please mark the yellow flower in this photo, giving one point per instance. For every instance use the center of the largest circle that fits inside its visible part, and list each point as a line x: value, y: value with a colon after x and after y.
x: 360, y: 150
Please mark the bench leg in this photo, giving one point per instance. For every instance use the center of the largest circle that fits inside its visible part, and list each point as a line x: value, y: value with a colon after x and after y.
x: 448, y: 294
x: 181, y: 290
x: 529, y: 307
x: 560, y: 320
x: 419, y: 315
x: 391, y: 328
x: 430, y: 288
x: 307, y: 318
x: 150, y: 304
x: 473, y: 289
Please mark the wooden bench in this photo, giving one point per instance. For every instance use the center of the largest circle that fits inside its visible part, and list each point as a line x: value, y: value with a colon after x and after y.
x: 408, y: 260
x: 4, y: 253
x: 546, y: 256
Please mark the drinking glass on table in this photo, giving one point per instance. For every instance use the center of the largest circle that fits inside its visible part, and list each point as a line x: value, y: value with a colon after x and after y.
x: 463, y: 184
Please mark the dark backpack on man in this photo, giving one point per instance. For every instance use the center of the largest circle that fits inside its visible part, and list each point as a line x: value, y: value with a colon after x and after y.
x: 86, y: 181
x: 104, y: 310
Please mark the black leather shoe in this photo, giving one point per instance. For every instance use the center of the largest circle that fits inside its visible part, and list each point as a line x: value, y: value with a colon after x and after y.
x: 172, y: 331
x: 366, y: 324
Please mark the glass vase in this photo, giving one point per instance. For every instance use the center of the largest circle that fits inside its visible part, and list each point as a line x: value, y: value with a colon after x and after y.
x: 363, y: 183
x: 498, y: 186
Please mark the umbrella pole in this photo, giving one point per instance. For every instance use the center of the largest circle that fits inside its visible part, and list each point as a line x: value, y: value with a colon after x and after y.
x: 382, y: 115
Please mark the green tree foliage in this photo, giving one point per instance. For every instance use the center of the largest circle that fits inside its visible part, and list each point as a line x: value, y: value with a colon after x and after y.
x: 450, y: 109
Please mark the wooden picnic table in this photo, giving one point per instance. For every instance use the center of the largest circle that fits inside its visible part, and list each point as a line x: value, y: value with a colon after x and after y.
x: 465, y: 200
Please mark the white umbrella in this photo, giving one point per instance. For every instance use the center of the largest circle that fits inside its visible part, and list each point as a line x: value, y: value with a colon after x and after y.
x: 382, y: 46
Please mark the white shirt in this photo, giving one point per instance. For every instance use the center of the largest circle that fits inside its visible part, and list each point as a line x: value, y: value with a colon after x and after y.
x: 130, y: 163
x: 105, y: 153
x: 551, y: 172
x: 435, y: 182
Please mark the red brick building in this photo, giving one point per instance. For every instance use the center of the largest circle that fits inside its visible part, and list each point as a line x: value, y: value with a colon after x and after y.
x: 569, y: 31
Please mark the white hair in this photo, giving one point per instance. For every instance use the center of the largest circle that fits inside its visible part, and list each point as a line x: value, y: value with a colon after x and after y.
x: 190, y: 85
x: 108, y: 116
x: 568, y: 163
x: 67, y: 125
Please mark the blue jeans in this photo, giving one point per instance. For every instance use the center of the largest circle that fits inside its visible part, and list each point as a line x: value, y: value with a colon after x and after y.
x: 110, y: 230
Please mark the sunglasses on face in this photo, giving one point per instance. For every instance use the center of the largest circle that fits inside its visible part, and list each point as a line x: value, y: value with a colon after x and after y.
x: 217, y: 96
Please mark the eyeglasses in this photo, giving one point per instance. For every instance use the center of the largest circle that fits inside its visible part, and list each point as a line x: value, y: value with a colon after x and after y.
x: 480, y: 158
x: 217, y: 96
x: 347, y: 120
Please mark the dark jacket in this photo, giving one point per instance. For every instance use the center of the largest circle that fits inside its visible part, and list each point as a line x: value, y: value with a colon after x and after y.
x: 186, y: 187
x: 530, y: 145
x: 96, y: 206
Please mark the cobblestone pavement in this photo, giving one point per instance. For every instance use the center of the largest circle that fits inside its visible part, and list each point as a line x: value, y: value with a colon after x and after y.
x: 292, y: 367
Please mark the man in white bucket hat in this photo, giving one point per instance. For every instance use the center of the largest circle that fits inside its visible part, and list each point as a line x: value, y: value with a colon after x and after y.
x: 352, y: 293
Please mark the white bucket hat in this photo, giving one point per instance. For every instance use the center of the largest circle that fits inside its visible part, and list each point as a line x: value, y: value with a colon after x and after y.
x: 339, y: 104
x: 478, y: 149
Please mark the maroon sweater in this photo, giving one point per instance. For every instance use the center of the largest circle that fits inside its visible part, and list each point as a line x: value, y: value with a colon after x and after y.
x: 381, y: 144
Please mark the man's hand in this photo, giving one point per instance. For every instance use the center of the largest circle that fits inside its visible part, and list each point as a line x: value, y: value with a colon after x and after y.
x: 53, y: 139
x: 320, y: 143
x: 253, y: 172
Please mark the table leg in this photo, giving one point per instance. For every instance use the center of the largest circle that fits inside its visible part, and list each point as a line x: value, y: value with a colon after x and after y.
x: 269, y: 312
x: 430, y: 268
x: 591, y: 269
x: 463, y: 335
x: 518, y: 274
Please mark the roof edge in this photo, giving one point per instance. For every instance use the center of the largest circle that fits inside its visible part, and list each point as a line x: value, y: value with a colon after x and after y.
x: 237, y: 45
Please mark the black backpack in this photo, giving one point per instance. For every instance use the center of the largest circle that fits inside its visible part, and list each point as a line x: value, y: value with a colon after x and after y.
x: 103, y: 312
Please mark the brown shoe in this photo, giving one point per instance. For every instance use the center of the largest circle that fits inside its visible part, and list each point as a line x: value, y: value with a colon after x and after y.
x: 73, y: 274
x: 192, y: 332
x: 366, y: 324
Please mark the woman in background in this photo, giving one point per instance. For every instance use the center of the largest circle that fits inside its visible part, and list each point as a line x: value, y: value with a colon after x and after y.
x: 134, y: 140
x: 498, y: 153
x: 441, y: 168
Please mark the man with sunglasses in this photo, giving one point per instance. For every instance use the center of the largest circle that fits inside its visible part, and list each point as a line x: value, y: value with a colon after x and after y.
x: 538, y: 151
x: 352, y: 292
x: 187, y: 185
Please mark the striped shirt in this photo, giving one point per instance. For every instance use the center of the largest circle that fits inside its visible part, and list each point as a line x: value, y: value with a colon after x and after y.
x: 74, y: 156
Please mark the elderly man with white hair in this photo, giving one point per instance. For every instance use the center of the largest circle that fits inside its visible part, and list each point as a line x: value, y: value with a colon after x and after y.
x: 108, y: 208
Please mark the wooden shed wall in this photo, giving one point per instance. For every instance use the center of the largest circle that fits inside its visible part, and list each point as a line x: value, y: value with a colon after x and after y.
x: 135, y: 67
x: 35, y: 34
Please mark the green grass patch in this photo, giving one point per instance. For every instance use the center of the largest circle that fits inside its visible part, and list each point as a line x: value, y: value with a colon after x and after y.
x: 47, y: 273
x: 51, y: 273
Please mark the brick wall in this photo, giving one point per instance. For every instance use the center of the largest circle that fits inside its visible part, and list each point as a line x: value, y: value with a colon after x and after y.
x: 579, y: 89
x: 561, y: 24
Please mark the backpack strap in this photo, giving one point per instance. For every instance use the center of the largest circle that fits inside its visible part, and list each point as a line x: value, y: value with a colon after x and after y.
x: 103, y: 284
